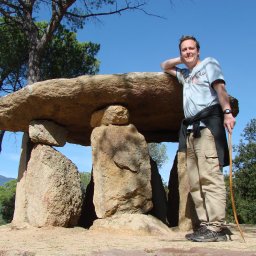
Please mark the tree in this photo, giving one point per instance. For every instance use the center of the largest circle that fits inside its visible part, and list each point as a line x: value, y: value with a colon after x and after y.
x: 7, y: 200
x: 244, y: 181
x: 158, y: 153
x: 21, y: 15
x: 64, y: 57
x: 13, y: 57
x: 85, y: 179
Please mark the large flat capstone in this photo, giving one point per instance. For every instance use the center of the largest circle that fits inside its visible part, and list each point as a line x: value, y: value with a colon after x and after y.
x: 154, y: 101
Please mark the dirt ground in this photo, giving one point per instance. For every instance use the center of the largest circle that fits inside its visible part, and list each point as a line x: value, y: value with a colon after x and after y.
x: 78, y: 241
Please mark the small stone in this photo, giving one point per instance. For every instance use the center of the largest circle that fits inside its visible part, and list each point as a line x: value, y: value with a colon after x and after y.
x: 116, y: 115
x: 48, y: 133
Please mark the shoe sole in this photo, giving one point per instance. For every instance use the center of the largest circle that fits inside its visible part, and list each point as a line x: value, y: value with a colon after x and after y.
x: 214, y: 239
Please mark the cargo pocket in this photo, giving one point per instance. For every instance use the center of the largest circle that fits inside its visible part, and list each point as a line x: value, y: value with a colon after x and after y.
x: 211, y: 156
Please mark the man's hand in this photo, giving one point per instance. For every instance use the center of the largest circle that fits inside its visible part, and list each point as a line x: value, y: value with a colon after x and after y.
x: 169, y: 66
x: 229, y: 122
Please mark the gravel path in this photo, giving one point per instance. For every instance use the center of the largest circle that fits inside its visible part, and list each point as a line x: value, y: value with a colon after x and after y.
x: 78, y: 241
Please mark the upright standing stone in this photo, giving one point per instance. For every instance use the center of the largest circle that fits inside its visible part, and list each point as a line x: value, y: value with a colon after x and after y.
x: 173, y: 195
x: 121, y: 171
x: 187, y: 214
x: 20, y: 197
x: 51, y: 189
x: 159, y: 199
x: 180, y: 208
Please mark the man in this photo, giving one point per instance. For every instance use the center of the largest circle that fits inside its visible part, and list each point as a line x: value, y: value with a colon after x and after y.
x: 202, y: 135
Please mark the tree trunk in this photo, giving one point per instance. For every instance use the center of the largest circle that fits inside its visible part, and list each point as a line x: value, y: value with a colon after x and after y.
x: 35, y: 53
x: 34, y: 66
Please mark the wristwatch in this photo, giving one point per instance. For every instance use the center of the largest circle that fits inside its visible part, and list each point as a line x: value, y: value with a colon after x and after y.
x: 227, y: 111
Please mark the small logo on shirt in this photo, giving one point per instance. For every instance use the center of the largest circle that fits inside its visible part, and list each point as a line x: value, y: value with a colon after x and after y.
x: 195, y: 78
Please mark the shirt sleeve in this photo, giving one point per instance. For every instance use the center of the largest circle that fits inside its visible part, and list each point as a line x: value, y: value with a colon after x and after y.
x: 181, y: 75
x: 213, y: 71
x: 178, y: 74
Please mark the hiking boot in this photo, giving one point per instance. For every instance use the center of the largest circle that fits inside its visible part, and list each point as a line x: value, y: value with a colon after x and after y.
x: 198, y: 232
x: 209, y: 236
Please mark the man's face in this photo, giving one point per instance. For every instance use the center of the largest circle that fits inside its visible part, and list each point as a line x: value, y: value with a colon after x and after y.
x: 189, y: 53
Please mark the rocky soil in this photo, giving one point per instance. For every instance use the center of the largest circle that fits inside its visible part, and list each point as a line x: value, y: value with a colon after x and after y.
x: 29, y: 241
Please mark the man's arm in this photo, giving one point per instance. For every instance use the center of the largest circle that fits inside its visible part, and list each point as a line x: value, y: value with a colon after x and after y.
x: 169, y: 66
x: 229, y: 120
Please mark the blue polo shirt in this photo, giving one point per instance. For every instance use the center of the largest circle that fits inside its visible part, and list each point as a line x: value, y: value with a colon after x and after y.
x: 198, y: 92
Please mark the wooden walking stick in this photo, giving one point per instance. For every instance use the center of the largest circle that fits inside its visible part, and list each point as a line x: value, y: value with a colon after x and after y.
x: 231, y: 186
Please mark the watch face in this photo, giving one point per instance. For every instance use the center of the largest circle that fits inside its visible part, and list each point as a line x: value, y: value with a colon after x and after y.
x: 227, y: 111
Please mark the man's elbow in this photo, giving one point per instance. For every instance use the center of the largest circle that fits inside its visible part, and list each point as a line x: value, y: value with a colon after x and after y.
x: 163, y: 66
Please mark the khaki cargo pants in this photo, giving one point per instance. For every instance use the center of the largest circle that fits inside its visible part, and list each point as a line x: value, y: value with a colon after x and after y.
x: 206, y: 180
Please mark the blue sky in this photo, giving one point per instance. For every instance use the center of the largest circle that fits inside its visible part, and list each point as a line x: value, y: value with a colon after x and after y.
x: 135, y: 42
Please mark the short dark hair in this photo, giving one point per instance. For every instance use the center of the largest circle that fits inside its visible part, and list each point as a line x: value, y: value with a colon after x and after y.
x: 184, y: 38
